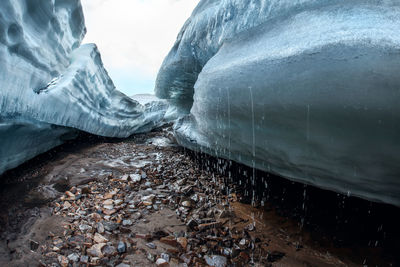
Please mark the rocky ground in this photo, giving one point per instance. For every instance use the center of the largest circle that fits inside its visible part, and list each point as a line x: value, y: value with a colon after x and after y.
x: 144, y: 202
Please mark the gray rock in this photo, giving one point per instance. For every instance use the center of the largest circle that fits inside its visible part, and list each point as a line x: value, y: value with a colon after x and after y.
x: 216, y: 260
x: 127, y: 223
x: 121, y: 247
x: 73, y: 257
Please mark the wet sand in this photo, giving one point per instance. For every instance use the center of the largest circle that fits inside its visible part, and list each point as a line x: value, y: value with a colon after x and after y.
x: 285, y: 226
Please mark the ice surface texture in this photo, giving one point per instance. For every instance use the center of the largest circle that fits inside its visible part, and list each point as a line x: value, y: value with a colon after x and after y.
x: 49, y: 83
x: 308, y: 90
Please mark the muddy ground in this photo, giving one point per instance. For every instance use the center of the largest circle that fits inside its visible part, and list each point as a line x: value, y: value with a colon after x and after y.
x: 145, y: 201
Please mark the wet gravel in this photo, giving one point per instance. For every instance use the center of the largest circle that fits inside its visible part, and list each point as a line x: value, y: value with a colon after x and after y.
x: 147, y: 202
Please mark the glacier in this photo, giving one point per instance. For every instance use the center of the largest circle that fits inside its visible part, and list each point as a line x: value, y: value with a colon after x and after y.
x: 305, y: 89
x: 52, y: 86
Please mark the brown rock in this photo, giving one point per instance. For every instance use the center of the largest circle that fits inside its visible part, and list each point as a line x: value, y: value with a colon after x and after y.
x: 143, y: 236
x: 183, y: 242
x: 169, y: 240
x: 206, y: 226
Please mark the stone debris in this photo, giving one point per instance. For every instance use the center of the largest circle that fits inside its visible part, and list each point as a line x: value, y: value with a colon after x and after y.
x: 101, y: 217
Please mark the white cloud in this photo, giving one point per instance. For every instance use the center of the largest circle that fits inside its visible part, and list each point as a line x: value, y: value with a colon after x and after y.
x: 135, y: 35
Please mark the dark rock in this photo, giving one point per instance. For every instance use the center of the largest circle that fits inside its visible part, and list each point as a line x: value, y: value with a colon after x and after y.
x: 109, y: 226
x: 33, y: 245
x: 275, y: 256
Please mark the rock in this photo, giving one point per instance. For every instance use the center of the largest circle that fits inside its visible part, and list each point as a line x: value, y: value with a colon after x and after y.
x: 123, y: 265
x: 70, y: 195
x: 275, y: 256
x: 100, y: 227
x: 206, y: 226
x: 148, y: 200
x: 250, y: 227
x: 109, y: 251
x: 121, y: 247
x: 187, y: 204
x: 108, y: 207
x: 151, y: 257
x: 183, y: 242
x: 94, y: 261
x: 85, y: 227
x: 63, y: 261
x: 143, y: 236
x: 127, y: 223
x: 74, y: 257
x: 169, y: 240
x: 108, y: 202
x: 161, y: 262
x: 244, y: 243
x: 137, y: 215
x: 118, y: 202
x: 33, y: 245
x: 84, y: 260
x: 110, y: 226
x: 216, y: 260
x: 136, y: 178
x: 98, y: 238
x: 165, y: 256
x: 66, y: 205
x: 151, y: 245
x: 95, y: 250
x: 192, y: 223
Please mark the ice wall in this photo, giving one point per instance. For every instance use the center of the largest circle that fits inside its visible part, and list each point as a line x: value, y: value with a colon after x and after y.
x: 305, y: 89
x: 50, y: 84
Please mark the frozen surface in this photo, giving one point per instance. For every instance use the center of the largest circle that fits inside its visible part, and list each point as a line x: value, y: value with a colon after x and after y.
x: 305, y: 89
x: 50, y: 83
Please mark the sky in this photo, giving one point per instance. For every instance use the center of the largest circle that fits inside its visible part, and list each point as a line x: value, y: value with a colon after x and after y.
x: 134, y: 36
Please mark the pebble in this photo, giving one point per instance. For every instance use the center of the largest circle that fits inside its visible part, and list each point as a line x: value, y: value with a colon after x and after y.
x: 165, y: 256
x: 100, y: 227
x: 187, y: 204
x: 67, y: 205
x: 110, y: 226
x: 85, y: 227
x: 151, y: 257
x: 183, y: 242
x: 84, y: 259
x: 74, y: 257
x: 151, y: 245
x: 121, y: 247
x: 109, y: 251
x: 98, y: 238
x: 95, y: 250
x: 161, y: 262
x: 33, y: 245
x: 127, y: 222
x: 63, y: 261
x: 216, y: 260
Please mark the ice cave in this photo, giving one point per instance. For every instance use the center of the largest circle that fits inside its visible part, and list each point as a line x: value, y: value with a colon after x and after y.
x: 298, y: 94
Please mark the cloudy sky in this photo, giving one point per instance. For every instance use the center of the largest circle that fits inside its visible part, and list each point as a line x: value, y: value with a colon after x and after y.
x: 134, y: 36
